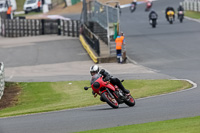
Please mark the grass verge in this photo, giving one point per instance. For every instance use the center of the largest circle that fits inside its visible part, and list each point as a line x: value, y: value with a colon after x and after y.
x: 192, y: 14
x: 38, y: 97
x: 183, y: 125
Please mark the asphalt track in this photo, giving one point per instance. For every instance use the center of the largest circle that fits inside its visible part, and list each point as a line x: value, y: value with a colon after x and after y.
x: 168, y: 51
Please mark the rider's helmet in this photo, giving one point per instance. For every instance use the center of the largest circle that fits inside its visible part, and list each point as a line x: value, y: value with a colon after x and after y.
x: 134, y: 0
x: 94, y: 69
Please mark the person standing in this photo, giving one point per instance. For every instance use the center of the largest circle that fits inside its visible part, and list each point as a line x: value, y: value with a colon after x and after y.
x: 119, y: 42
x: 39, y: 5
x: 9, y: 12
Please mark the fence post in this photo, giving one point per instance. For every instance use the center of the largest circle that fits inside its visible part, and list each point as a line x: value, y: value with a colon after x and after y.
x: 42, y: 21
x: 77, y: 28
x: 59, y: 27
x: 72, y: 28
x: 63, y: 22
x: 68, y: 31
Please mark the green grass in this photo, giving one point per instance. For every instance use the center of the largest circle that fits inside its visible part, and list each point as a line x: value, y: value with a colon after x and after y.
x: 184, y: 125
x: 192, y: 14
x: 38, y: 97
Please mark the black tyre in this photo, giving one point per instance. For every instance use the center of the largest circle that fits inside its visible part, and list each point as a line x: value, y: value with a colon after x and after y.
x: 181, y: 20
x: 130, y: 101
x: 110, y: 101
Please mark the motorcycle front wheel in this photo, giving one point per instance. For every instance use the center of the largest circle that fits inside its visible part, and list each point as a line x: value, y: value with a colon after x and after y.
x: 110, y: 101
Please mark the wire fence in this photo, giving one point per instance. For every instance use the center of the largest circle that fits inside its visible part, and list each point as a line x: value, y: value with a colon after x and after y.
x: 102, y: 14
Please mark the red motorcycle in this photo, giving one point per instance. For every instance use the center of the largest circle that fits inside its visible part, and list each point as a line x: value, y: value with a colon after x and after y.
x: 148, y: 6
x: 111, y: 94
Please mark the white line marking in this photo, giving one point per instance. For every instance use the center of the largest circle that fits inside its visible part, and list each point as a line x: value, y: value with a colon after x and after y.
x: 197, y: 20
x: 193, y: 87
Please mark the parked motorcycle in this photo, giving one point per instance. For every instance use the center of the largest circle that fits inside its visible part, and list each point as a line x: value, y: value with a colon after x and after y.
x: 111, y: 94
x: 180, y: 16
x: 170, y: 15
x: 132, y: 8
x: 148, y: 6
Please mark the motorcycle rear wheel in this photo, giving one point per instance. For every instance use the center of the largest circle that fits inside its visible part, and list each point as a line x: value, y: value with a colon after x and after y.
x: 130, y: 101
x: 110, y: 101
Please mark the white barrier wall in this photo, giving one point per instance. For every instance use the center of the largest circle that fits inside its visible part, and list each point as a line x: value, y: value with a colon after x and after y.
x: 191, y: 5
x: 2, y: 82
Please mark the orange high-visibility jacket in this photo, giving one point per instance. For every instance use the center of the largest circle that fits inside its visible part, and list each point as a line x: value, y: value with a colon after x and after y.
x: 119, y: 41
x: 9, y: 10
x: 39, y: 3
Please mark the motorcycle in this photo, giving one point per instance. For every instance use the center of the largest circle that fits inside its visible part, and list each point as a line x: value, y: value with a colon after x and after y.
x: 180, y: 16
x: 111, y: 94
x: 148, y: 6
x: 153, y: 20
x: 132, y: 8
x: 170, y: 15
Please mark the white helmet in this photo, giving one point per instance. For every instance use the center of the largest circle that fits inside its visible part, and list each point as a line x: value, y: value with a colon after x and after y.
x: 134, y: 0
x: 94, y: 68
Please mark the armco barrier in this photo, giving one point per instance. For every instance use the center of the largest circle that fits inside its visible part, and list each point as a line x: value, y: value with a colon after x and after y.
x: 2, y: 83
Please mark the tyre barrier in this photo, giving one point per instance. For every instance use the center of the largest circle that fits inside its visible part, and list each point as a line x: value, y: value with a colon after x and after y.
x: 2, y: 81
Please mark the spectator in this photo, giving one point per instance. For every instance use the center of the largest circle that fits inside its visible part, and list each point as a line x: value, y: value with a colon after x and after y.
x: 39, y: 5
x: 9, y: 12
x: 119, y: 42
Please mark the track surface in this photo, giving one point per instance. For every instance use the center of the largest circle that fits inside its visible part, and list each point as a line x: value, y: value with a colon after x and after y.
x: 169, y: 49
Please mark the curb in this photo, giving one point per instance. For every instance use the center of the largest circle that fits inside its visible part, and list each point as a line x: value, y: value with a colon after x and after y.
x: 88, y: 49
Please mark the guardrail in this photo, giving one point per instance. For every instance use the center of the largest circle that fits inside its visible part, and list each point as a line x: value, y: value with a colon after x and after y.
x: 2, y: 82
x: 191, y: 5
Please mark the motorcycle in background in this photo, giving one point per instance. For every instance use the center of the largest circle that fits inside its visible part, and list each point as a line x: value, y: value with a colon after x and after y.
x: 132, y: 8
x: 180, y: 16
x: 148, y: 6
x: 153, y: 20
x: 170, y: 15
x: 111, y: 94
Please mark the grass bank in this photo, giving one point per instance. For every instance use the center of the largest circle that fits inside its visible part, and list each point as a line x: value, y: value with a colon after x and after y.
x: 192, y: 14
x: 38, y: 97
x: 184, y: 125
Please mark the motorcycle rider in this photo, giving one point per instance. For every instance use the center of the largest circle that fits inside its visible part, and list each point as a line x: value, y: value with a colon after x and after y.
x: 134, y: 2
x: 180, y: 8
x: 153, y: 15
x: 169, y: 9
x: 149, y: 4
x: 94, y: 71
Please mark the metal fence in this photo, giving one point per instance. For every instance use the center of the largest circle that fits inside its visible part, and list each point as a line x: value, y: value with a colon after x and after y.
x: 192, y: 5
x: 2, y: 82
x: 33, y: 27
x: 102, y: 14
